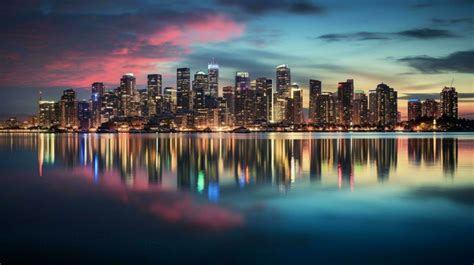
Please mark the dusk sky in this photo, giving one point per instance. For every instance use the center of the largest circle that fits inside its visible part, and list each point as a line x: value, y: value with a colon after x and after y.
x: 417, y: 47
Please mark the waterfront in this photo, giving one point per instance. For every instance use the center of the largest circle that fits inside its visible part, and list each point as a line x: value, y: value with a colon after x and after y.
x: 226, y: 198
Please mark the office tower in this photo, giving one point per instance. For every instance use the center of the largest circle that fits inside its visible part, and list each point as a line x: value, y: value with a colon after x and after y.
x: 98, y: 90
x: 143, y: 104
x: 169, y: 100
x: 345, y: 94
x: 283, y: 80
x: 84, y: 114
x: 224, y: 117
x: 326, y: 109
x: 213, y: 78
x: 360, y: 108
x: 200, y: 92
x: 279, y: 107
x: 243, y: 103
x: 48, y: 114
x: 414, y: 109
x: 68, y: 111
x: 372, y: 107
x: 183, y: 89
x: 110, y: 105
x: 127, y: 94
x: 263, y: 97
x: 154, y: 93
x: 430, y: 108
x: 386, y: 105
x: 449, y: 102
x: 269, y: 98
x: 315, y: 90
x: 229, y: 96
x: 295, y: 105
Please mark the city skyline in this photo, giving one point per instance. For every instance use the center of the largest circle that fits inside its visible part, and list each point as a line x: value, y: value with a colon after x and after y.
x: 320, y: 40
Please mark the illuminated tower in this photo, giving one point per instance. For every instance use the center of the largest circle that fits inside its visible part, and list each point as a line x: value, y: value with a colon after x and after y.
x: 68, y: 105
x: 314, y: 91
x: 345, y: 94
x: 183, y: 89
x: 449, y: 102
x: 213, y: 78
x: 414, y: 109
x: 243, y: 104
x: 360, y: 108
x: 98, y: 90
x: 283, y: 79
x: 154, y: 84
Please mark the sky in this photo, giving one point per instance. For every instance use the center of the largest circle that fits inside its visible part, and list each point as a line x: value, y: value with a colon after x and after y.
x: 416, y: 47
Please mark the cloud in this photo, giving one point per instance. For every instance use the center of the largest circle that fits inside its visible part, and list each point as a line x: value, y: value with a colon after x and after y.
x: 453, y: 21
x: 418, y: 33
x: 301, y: 7
x: 459, y: 62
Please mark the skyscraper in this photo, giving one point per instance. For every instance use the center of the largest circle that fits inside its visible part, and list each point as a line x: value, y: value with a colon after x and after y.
x: 48, y: 113
x: 345, y: 94
x: 98, y: 90
x: 68, y: 105
x: 360, y: 108
x: 213, y: 78
x: 243, y: 104
x: 295, y: 108
x: 229, y: 96
x: 127, y: 93
x: 183, y: 89
x: 449, y: 102
x: 386, y: 105
x: 83, y: 114
x: 263, y: 97
x: 315, y: 90
x: 326, y: 109
x: 414, y: 109
x: 430, y: 108
x: 169, y: 100
x: 373, y: 106
x: 154, y: 84
x: 283, y: 80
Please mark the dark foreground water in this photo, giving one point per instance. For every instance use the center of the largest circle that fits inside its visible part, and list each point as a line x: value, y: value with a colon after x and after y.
x: 297, y: 198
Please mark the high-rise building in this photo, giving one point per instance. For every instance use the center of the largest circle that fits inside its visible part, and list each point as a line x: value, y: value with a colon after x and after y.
x: 243, y: 103
x: 48, y: 113
x: 200, y: 94
x: 68, y: 105
x: 213, y: 78
x: 360, y: 108
x: 154, y: 85
x: 345, y: 94
x: 169, y: 100
x: 315, y: 90
x: 373, y: 106
x: 295, y: 105
x: 84, y: 114
x: 449, y: 102
x: 430, y: 108
x: 326, y: 109
x: 283, y: 80
x: 183, y: 89
x: 414, y: 109
x: 98, y: 90
x: 263, y: 96
x: 386, y: 106
x: 229, y: 96
x: 127, y: 94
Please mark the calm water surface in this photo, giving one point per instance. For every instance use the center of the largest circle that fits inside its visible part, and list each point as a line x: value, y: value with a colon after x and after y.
x: 296, y: 198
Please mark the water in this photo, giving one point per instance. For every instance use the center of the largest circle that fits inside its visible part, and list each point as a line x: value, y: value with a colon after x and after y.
x: 297, y: 198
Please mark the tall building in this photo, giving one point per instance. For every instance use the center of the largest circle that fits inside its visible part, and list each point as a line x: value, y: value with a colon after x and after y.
x: 430, y: 108
x: 372, y: 107
x: 315, y: 89
x: 345, y: 94
x: 98, y: 90
x: 360, y: 108
x: 414, y: 109
x: 127, y: 94
x: 213, y: 78
x: 229, y: 96
x: 68, y: 105
x: 48, y: 113
x: 326, y: 109
x: 183, y: 89
x: 84, y: 114
x: 243, y: 103
x: 449, y: 102
x: 283, y: 80
x: 263, y: 97
x: 386, y: 108
x: 295, y: 105
x: 154, y: 86
x: 169, y: 100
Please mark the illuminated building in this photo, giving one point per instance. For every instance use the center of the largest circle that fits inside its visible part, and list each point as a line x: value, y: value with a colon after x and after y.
x: 229, y: 96
x: 449, y: 102
x: 154, y: 84
x: 263, y: 97
x: 127, y: 94
x: 68, y: 105
x: 345, y: 94
x: 372, y: 106
x: 200, y: 93
x: 295, y: 105
x: 414, y: 109
x: 384, y: 106
x: 325, y: 109
x: 84, y: 114
x: 283, y: 80
x: 98, y: 90
x: 430, y: 108
x: 243, y: 103
x: 169, y: 100
x: 48, y: 113
x: 213, y: 78
x: 183, y: 89
x: 360, y: 108
x: 315, y: 89
x: 110, y: 106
